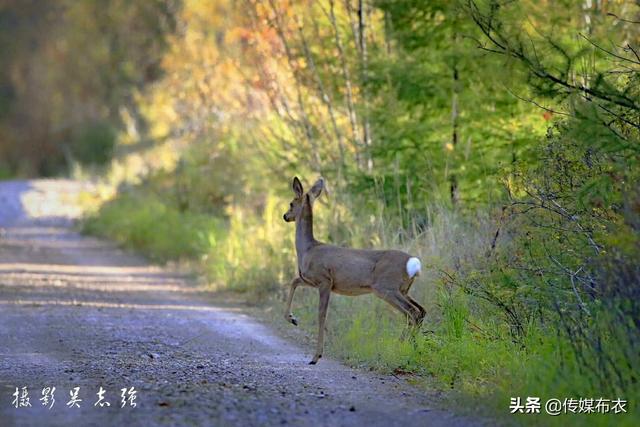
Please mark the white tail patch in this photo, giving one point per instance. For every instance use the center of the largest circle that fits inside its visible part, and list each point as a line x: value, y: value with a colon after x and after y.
x: 414, y: 267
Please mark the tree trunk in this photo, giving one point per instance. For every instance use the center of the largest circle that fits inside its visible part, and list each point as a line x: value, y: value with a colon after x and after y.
x: 453, y: 179
x: 366, y: 127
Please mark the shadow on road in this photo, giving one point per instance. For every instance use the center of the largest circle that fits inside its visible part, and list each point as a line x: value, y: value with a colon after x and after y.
x: 11, y: 209
x: 44, y: 261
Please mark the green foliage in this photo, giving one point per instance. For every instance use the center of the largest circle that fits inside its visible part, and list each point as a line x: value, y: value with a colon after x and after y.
x: 94, y: 144
x: 450, y: 115
x: 159, y: 230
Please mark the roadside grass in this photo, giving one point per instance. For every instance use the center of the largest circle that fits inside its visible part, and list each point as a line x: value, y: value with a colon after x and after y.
x: 465, y: 347
x: 158, y: 230
x: 466, y: 362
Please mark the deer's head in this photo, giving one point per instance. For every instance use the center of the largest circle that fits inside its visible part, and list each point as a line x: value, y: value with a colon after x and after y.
x: 301, y: 198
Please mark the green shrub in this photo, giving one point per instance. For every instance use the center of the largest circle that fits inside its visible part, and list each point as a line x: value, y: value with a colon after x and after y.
x: 157, y: 229
x: 94, y: 143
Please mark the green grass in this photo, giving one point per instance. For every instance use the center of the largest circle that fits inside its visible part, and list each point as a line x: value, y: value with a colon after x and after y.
x: 472, y: 359
x: 157, y: 229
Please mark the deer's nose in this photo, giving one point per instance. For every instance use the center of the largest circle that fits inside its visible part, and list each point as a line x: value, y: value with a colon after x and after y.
x: 284, y: 217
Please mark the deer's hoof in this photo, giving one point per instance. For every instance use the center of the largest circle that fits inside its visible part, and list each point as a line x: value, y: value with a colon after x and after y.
x: 315, y: 360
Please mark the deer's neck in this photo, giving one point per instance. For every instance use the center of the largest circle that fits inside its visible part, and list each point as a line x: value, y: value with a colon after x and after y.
x: 304, y: 233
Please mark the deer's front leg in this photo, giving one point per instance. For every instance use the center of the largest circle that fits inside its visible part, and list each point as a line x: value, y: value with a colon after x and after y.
x: 288, y: 316
x: 323, y: 305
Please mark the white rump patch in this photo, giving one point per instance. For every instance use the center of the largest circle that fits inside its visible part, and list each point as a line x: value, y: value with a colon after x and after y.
x: 413, y: 266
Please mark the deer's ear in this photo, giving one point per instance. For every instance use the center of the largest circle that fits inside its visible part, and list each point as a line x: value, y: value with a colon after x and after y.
x: 317, y: 188
x: 296, y: 185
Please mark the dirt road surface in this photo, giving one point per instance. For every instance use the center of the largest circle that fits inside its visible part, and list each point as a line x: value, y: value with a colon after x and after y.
x: 77, y: 312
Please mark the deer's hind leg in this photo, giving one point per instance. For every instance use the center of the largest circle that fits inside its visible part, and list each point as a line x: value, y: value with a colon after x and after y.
x: 421, y: 309
x: 401, y: 303
x: 404, y: 290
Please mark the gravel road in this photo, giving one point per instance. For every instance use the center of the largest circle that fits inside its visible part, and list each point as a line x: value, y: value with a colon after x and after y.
x: 77, y: 312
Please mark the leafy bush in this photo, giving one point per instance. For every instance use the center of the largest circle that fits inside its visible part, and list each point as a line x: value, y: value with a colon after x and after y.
x: 148, y: 224
x: 94, y: 143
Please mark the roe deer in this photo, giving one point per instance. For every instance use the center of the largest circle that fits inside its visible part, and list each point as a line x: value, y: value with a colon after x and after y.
x: 389, y: 274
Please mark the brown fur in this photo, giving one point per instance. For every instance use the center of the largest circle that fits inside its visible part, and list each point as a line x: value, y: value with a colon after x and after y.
x: 342, y: 270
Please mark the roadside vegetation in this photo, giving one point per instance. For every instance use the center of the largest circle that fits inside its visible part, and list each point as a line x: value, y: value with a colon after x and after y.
x: 496, y: 140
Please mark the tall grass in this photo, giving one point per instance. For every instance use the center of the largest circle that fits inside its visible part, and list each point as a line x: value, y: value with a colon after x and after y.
x: 255, y: 255
x: 159, y: 230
